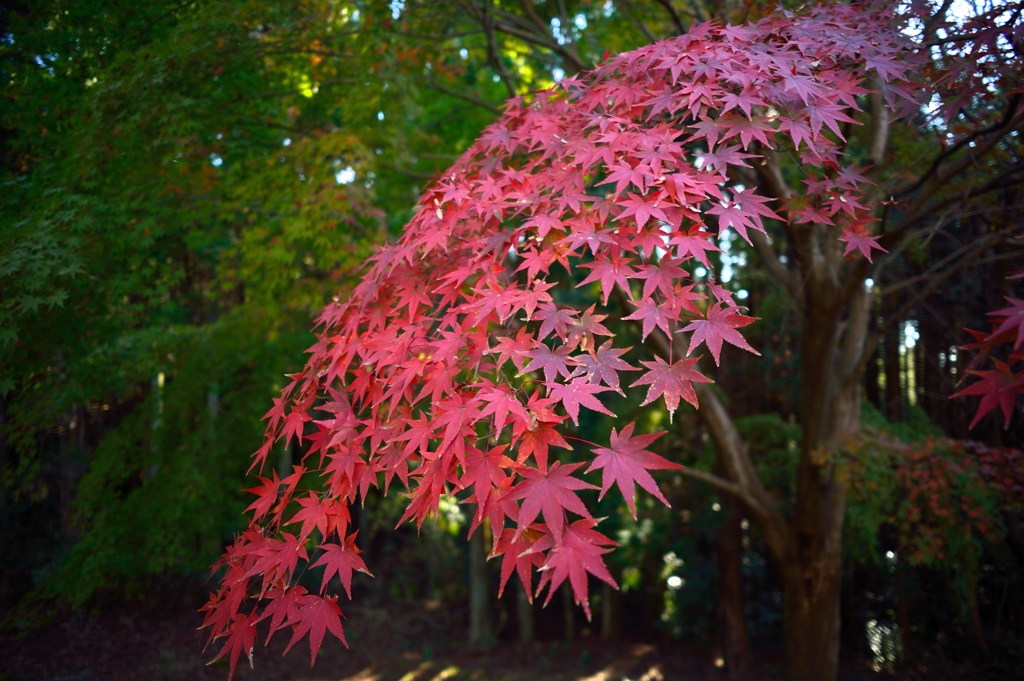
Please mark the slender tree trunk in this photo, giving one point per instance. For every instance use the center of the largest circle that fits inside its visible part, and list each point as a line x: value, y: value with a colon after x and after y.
x: 67, y: 481
x: 611, y: 600
x: 871, y: 387
x: 6, y: 588
x: 570, y: 616
x: 481, y: 633
x: 739, y: 659
x: 891, y: 349
x: 975, y: 613
x: 903, y: 604
x: 524, y: 613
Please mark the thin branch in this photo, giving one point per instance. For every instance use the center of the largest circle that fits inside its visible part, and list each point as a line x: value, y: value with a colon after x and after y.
x: 998, y: 182
x: 714, y: 481
x: 938, y: 280
x: 540, y: 36
x: 637, y: 23
x: 931, y: 271
x: 434, y: 85
x: 667, y: 4
x: 935, y: 19
x: 1008, y: 122
x: 493, y: 56
x: 781, y: 274
x: 876, y: 337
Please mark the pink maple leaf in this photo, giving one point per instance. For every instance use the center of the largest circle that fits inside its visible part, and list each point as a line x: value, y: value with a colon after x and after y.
x: 719, y: 325
x: 625, y: 460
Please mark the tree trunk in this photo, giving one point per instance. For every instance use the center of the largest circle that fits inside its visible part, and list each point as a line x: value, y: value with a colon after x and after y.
x: 739, y: 659
x: 830, y: 414
x: 524, y: 613
x: 809, y: 548
x: 975, y: 613
x: 611, y: 601
x: 811, y: 623
x: 481, y: 634
x: 569, y: 615
x: 6, y: 588
x: 891, y: 350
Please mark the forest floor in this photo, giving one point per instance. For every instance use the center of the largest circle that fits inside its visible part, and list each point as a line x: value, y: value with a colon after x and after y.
x: 150, y: 643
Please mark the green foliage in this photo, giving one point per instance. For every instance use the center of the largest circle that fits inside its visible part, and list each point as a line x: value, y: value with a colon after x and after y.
x: 917, y: 427
x: 169, y: 209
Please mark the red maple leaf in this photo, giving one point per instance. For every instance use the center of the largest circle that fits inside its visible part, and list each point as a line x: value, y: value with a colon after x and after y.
x: 325, y: 514
x: 341, y: 559
x: 652, y: 314
x: 315, y: 616
x: 626, y: 461
x: 582, y: 331
x: 551, y: 362
x: 858, y: 238
x: 514, y: 349
x: 661, y: 276
x: 293, y: 425
x: 276, y: 413
x: 579, y: 392
x: 284, y: 603
x: 671, y: 381
x: 719, y: 325
x: 603, y: 365
x: 999, y: 387
x: 1013, y: 317
x: 483, y: 470
x: 267, y: 494
x: 609, y: 272
x: 694, y: 243
x: 550, y: 493
x: 501, y: 402
x: 278, y: 559
x: 536, y: 441
x: 578, y: 553
x: 241, y: 638
x: 521, y: 554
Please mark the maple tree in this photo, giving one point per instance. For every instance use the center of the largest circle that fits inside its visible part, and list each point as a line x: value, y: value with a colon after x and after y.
x: 455, y: 366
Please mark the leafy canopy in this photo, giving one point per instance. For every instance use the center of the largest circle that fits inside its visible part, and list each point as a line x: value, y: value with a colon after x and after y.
x: 453, y: 365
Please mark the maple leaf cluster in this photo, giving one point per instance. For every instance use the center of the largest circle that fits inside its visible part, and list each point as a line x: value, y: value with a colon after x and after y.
x: 1001, y: 385
x: 452, y: 367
